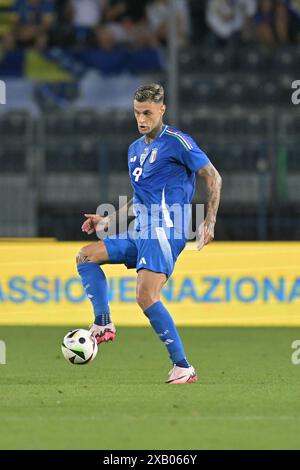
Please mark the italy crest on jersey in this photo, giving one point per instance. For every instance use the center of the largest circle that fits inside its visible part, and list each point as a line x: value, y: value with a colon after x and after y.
x: 153, y: 155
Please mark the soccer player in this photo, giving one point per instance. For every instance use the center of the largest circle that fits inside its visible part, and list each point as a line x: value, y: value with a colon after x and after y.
x: 162, y: 168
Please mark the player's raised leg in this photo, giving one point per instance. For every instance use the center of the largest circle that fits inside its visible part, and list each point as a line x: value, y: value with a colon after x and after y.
x: 149, y: 285
x: 94, y: 281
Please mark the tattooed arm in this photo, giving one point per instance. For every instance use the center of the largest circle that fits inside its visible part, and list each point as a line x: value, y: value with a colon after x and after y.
x: 213, y: 183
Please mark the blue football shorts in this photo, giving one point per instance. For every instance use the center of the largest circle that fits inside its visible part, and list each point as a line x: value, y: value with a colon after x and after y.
x: 158, y: 254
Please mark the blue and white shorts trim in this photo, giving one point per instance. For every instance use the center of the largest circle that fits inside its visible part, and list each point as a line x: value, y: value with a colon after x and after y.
x: 156, y: 254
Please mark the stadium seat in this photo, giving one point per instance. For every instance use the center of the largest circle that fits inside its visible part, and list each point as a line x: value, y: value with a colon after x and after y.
x: 15, y: 124
x: 203, y: 92
x: 284, y: 89
x: 123, y: 121
x: 292, y: 153
x: 73, y: 156
x: 235, y: 124
x: 201, y: 121
x: 289, y: 125
x: 86, y: 123
x: 229, y: 155
x: 117, y: 151
x: 235, y: 92
x: 61, y: 125
x: 88, y: 156
x: 191, y: 60
x: 269, y: 92
x: 186, y: 85
x: 218, y: 61
x: 253, y: 59
x: 116, y: 122
x: 284, y: 60
x: 60, y: 156
x: 256, y: 124
x: 13, y: 156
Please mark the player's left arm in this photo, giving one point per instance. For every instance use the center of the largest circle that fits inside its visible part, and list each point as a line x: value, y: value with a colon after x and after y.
x: 213, y: 183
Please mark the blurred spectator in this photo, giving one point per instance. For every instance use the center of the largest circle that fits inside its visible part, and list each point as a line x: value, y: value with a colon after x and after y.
x: 158, y: 14
x: 118, y: 10
x: 35, y: 17
x: 288, y: 21
x: 265, y: 20
x: 7, y: 45
x: 124, y: 23
x: 86, y: 14
x: 8, y: 17
x: 107, y: 24
x: 227, y: 19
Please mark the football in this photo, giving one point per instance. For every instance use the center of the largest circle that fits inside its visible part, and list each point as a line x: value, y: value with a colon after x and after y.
x: 79, y: 347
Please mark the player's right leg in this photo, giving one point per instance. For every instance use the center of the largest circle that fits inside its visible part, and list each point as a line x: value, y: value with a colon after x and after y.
x: 94, y: 281
x: 89, y: 260
x: 94, y: 253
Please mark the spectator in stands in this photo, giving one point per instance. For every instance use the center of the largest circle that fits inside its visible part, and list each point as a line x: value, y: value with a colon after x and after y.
x: 86, y: 15
x: 7, y: 45
x: 124, y: 23
x: 8, y: 17
x: 158, y: 14
x: 288, y: 21
x: 227, y: 19
x: 35, y: 17
x: 265, y: 20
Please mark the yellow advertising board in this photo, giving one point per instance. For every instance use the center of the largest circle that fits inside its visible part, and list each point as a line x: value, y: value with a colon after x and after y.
x: 224, y: 284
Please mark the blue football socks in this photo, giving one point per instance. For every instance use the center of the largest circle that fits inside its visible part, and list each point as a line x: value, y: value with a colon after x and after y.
x: 163, y: 324
x: 95, y: 285
x: 183, y: 363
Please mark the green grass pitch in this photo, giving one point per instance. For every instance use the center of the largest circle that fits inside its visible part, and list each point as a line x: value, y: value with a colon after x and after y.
x: 247, y: 396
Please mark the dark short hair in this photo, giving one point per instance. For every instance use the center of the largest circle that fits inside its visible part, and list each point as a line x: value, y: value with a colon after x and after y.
x: 153, y: 92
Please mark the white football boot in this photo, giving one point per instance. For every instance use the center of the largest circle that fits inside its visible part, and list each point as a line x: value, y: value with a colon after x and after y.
x: 182, y: 375
x: 103, y: 334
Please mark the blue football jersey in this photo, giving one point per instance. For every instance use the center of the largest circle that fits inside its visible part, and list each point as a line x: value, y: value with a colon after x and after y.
x: 162, y: 175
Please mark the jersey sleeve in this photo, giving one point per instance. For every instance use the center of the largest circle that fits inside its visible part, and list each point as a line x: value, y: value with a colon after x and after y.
x: 192, y: 156
x: 130, y: 152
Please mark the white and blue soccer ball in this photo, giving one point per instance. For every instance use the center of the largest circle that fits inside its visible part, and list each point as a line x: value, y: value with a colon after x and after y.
x: 79, y: 347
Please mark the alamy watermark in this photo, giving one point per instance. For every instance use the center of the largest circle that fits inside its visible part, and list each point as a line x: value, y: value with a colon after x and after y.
x: 2, y: 353
x: 2, y: 92
x: 176, y: 220
x: 296, y: 354
x: 296, y: 93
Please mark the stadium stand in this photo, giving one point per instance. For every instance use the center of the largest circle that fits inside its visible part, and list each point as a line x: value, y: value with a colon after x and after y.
x: 62, y: 154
